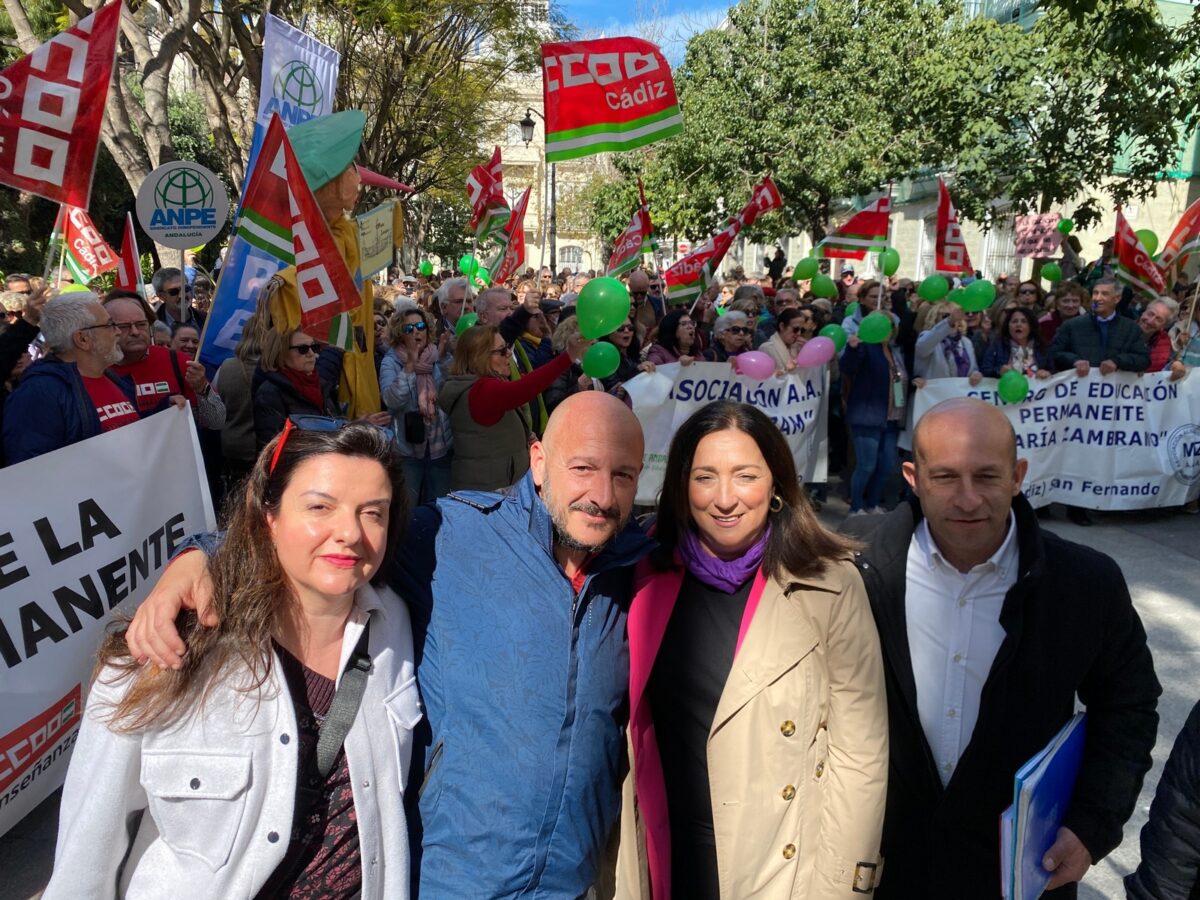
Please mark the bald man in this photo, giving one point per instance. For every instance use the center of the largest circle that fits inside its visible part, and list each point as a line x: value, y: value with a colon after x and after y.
x: 518, y: 603
x: 990, y: 628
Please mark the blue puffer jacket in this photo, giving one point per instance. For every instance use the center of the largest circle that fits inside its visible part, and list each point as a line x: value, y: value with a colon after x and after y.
x: 51, y: 409
x: 525, y: 687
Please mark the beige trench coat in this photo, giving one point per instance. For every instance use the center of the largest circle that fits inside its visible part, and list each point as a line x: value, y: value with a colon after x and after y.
x: 797, y: 754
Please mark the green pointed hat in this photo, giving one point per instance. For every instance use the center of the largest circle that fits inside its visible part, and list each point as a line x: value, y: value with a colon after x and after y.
x: 325, y: 146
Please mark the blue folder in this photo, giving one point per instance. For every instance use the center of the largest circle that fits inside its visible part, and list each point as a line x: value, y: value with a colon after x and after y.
x: 1041, y: 793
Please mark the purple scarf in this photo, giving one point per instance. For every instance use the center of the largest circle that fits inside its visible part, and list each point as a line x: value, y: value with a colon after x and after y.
x: 956, y: 354
x: 719, y: 574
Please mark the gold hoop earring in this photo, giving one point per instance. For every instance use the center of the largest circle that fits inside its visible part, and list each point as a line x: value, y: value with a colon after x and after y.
x: 775, y: 499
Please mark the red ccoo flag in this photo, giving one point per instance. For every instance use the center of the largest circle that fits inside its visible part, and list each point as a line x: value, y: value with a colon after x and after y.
x: 950, y: 249
x: 865, y: 231
x: 1134, y: 265
x: 1184, y: 240
x: 513, y: 255
x: 129, y: 263
x: 485, y: 188
x: 51, y: 108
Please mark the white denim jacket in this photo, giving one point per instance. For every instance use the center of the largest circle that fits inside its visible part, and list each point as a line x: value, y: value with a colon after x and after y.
x: 219, y: 788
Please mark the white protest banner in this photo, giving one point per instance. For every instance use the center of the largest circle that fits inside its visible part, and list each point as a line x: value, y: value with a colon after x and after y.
x: 375, y: 239
x: 1119, y: 441
x: 662, y: 401
x: 85, y: 532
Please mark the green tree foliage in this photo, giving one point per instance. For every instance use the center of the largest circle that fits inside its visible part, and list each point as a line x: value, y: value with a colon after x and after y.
x: 835, y: 98
x: 1046, y: 115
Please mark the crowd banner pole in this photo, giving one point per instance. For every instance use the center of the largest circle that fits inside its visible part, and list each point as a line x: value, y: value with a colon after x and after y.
x: 184, y: 303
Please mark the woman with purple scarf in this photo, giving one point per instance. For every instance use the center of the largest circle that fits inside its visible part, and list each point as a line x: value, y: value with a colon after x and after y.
x: 944, y: 350
x: 758, y: 713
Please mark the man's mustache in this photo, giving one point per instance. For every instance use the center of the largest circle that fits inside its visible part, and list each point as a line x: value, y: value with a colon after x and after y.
x: 592, y: 509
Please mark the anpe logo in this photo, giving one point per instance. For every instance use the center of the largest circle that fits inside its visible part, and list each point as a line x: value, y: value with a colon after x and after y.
x: 297, y: 83
x: 22, y: 747
x: 182, y: 204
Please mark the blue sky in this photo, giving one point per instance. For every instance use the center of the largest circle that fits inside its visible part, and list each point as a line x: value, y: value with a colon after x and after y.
x: 667, y: 22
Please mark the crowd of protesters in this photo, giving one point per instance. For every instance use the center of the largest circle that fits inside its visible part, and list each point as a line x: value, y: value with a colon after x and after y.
x: 463, y: 407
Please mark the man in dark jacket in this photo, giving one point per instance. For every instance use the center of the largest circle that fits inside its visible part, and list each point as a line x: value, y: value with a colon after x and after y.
x: 1170, y: 868
x: 70, y: 395
x: 990, y: 628
x: 1102, y: 339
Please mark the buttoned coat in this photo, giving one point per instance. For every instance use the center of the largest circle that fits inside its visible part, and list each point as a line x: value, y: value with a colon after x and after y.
x: 217, y: 790
x: 797, y: 753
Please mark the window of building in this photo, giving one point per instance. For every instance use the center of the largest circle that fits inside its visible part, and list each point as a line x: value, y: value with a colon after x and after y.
x: 570, y: 256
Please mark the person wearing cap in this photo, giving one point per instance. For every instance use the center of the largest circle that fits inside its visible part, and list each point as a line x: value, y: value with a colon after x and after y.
x: 325, y: 147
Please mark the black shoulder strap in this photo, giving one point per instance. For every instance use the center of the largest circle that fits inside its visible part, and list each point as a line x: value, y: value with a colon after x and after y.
x: 344, y: 708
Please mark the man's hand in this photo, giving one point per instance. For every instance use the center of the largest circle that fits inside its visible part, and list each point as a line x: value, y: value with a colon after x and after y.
x: 33, y: 307
x: 1108, y: 367
x: 179, y: 401
x: 194, y: 377
x: 1178, y: 370
x: 379, y: 419
x: 1068, y: 859
x: 974, y: 378
x: 1082, y: 367
x: 185, y: 584
x: 853, y: 341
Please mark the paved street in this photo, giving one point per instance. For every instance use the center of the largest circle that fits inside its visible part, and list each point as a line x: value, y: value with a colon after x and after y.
x: 1160, y: 554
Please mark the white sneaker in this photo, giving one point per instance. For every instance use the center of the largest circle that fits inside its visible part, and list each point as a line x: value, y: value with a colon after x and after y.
x: 877, y: 511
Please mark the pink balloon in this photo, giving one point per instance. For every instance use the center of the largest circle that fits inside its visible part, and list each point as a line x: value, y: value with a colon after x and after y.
x: 755, y: 364
x: 817, y: 352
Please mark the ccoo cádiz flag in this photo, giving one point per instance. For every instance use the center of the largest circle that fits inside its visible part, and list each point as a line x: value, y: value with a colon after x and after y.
x: 51, y: 106
x: 609, y: 94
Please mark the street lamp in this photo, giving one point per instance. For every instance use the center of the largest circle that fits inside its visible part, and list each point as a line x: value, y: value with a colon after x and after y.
x: 527, y: 125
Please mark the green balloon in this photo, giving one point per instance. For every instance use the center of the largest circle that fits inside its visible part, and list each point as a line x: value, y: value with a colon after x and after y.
x: 875, y: 328
x: 823, y: 286
x: 806, y: 269
x: 602, y: 307
x: 601, y: 359
x: 835, y: 333
x: 468, y: 264
x: 1149, y: 240
x: 1052, y: 272
x: 465, y: 322
x: 483, y: 275
x: 933, y: 288
x: 1066, y: 226
x: 889, y: 261
x: 851, y: 309
x: 426, y: 268
x: 978, y: 296
x: 1013, y: 387
x: 957, y: 296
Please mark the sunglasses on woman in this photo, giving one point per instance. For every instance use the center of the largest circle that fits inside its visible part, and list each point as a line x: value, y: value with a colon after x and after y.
x: 312, y: 423
x: 738, y: 329
x: 410, y: 327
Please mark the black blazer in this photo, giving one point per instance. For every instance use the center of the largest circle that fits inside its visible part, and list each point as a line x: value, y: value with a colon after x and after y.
x: 1070, y: 628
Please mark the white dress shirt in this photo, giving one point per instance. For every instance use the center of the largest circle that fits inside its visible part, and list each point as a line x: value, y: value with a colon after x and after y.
x: 954, y: 633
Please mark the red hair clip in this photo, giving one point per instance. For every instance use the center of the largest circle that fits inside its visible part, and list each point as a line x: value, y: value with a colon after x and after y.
x: 288, y: 428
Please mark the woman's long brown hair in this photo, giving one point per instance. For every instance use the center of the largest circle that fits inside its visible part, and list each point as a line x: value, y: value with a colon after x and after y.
x: 251, y: 592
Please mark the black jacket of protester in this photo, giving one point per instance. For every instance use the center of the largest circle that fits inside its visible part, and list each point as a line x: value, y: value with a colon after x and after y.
x: 275, y: 398
x: 1070, y: 628
x: 1080, y: 338
x: 1170, y: 868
